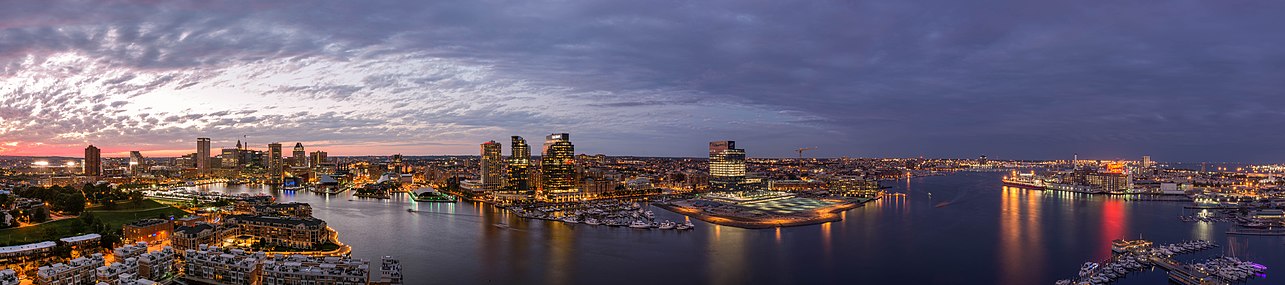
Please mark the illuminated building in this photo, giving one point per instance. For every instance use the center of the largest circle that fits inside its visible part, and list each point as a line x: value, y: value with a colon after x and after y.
x: 1146, y: 161
x: 726, y: 166
x: 270, y: 231
x: 212, y: 265
x: 93, y: 161
x: 557, y: 168
x: 518, y: 181
x: 148, y: 230
x: 491, y: 166
x: 275, y: 165
x: 317, y: 158
x: 202, y: 155
x: 136, y: 162
x: 299, y: 159
x: 81, y: 270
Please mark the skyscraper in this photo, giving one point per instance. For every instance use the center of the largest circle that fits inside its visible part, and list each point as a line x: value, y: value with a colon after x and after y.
x: 726, y: 166
x: 317, y: 158
x: 1146, y: 161
x: 557, y: 168
x: 93, y: 161
x: 275, y: 164
x: 492, y: 165
x: 299, y: 158
x: 136, y: 163
x: 202, y: 155
x: 519, y: 166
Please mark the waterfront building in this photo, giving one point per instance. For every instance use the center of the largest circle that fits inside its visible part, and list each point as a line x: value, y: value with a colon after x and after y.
x: 299, y: 158
x: 303, y: 270
x: 137, y: 164
x: 557, y: 168
x: 518, y: 184
x: 213, y: 265
x: 93, y: 165
x: 272, y: 231
x: 157, y: 265
x: 726, y: 166
x: 191, y: 237
x: 148, y: 230
x: 291, y: 209
x: 491, y: 166
x: 81, y: 270
x: 1109, y: 181
x: 390, y: 272
x: 202, y: 155
x: 275, y: 165
x: 854, y: 187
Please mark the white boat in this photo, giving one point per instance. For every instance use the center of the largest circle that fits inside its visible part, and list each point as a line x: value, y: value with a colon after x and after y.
x: 592, y: 221
x: 666, y: 225
x: 686, y: 226
x: 639, y: 225
x: 650, y: 215
x: 570, y: 219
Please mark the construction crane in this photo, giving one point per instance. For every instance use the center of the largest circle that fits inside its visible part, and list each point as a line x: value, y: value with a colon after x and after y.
x: 801, y: 150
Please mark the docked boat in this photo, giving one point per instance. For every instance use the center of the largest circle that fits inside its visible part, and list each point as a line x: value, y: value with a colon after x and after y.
x: 687, y: 225
x: 570, y: 219
x: 639, y: 225
x: 592, y: 221
x: 666, y: 225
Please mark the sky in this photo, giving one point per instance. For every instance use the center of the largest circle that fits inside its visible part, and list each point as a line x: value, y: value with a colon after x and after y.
x: 1177, y: 80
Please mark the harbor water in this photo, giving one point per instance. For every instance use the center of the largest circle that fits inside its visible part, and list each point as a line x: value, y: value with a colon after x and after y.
x: 963, y: 228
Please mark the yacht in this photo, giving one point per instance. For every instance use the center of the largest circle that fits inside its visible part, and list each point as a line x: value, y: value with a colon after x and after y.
x: 570, y: 219
x: 666, y: 225
x: 649, y: 215
x: 686, y: 226
x: 592, y: 221
x: 639, y: 225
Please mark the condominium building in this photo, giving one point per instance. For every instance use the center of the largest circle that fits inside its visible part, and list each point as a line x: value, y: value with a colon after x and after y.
x: 558, y: 168
x: 202, y: 155
x: 26, y: 252
x: 157, y: 265
x: 77, y: 271
x: 93, y: 165
x: 111, y: 273
x: 491, y: 166
x: 191, y: 237
x: 8, y: 277
x: 130, y: 250
x: 390, y: 272
x: 291, y: 209
x: 270, y: 231
x: 213, y: 265
x: 302, y: 270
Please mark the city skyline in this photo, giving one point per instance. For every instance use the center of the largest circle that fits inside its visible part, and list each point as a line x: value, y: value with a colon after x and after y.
x: 861, y: 79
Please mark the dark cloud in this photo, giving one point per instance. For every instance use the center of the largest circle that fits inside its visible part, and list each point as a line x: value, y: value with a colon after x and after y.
x: 1019, y: 79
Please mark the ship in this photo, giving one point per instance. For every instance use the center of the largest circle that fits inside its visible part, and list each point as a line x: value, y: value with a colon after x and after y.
x: 1025, y: 180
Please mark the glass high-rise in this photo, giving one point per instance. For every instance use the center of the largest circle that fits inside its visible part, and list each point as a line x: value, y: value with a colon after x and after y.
x: 519, y: 168
x: 726, y: 166
x: 275, y: 164
x: 557, y: 168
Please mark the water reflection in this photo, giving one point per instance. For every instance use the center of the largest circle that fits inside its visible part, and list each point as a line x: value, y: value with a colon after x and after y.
x: 727, y: 259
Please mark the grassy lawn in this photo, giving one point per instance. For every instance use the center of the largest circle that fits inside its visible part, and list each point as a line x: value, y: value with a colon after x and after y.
x: 37, y: 233
x: 114, y: 219
x: 123, y: 214
x: 127, y: 206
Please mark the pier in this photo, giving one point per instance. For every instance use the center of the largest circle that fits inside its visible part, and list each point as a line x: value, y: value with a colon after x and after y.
x: 1134, y: 255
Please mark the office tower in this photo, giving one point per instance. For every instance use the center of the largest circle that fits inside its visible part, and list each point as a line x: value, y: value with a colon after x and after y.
x: 1146, y: 161
x: 136, y: 163
x: 492, y: 165
x: 93, y: 165
x: 557, y: 168
x: 275, y: 164
x: 202, y: 155
x: 395, y: 163
x: 231, y: 157
x: 299, y: 158
x: 726, y: 166
x: 317, y: 158
x: 519, y: 166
